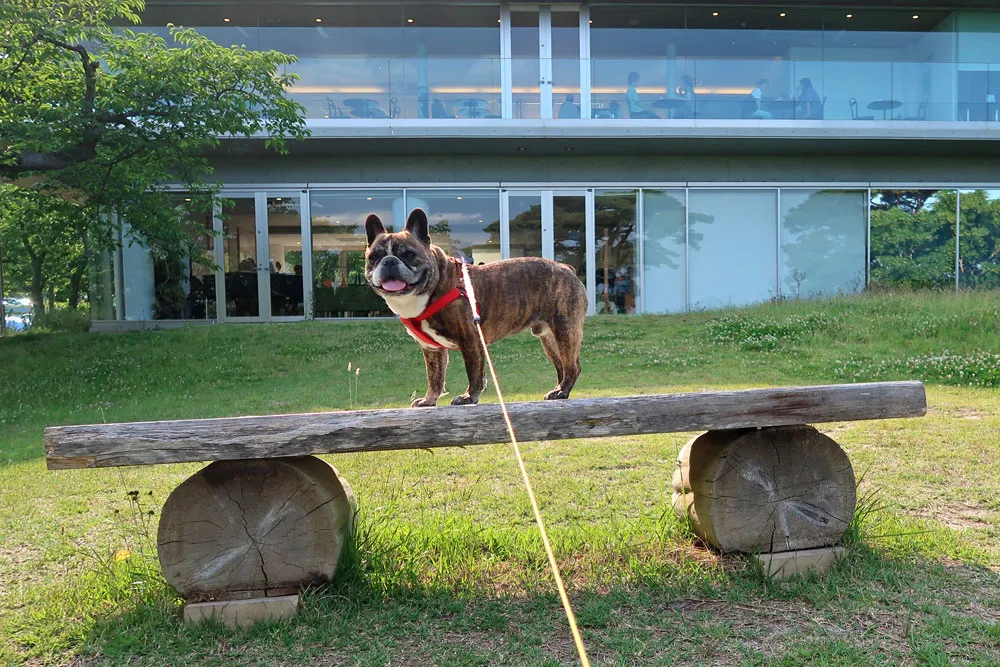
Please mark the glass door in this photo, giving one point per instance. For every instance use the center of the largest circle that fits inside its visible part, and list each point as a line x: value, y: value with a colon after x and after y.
x: 261, y: 258
x: 241, y: 263
x: 546, y: 47
x: 283, y: 279
x: 555, y: 224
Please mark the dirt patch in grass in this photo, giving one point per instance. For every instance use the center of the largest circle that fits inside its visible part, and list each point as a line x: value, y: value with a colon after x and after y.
x: 961, y: 516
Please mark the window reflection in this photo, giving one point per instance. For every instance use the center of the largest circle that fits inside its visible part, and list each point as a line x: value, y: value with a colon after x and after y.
x: 240, y: 258
x: 615, y: 222
x: 664, y: 260
x: 822, y: 242
x: 525, y: 213
x: 465, y: 223
x: 979, y: 239
x: 338, y: 247
x: 735, y: 261
x: 913, y: 238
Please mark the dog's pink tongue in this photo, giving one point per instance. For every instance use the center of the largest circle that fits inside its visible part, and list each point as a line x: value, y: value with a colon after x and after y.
x: 393, y: 285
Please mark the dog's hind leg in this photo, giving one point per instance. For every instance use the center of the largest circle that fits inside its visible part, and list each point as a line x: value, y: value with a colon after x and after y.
x: 552, y: 351
x: 564, y: 345
x: 437, y: 369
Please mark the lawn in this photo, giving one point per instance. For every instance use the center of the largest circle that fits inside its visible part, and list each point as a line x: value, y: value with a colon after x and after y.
x: 447, y: 567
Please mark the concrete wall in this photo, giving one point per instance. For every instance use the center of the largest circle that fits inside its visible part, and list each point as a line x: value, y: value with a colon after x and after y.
x: 626, y: 169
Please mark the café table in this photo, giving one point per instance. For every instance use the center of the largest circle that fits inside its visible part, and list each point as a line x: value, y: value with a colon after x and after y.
x: 472, y: 107
x: 669, y: 103
x: 884, y: 106
x: 361, y: 106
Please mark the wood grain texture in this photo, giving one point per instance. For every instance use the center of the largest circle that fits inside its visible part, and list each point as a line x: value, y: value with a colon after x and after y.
x: 774, y: 489
x: 238, y: 529
x: 144, y: 443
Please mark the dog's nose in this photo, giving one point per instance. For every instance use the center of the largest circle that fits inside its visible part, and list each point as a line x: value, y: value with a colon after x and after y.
x: 390, y: 260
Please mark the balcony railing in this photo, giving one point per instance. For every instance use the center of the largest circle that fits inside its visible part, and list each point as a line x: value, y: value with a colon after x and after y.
x: 667, y: 88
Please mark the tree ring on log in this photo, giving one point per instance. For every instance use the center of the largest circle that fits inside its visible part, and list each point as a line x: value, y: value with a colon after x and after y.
x: 254, y: 528
x: 765, y: 490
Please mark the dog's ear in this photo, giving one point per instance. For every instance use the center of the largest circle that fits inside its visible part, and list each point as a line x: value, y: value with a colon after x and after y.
x: 373, y: 227
x: 416, y: 224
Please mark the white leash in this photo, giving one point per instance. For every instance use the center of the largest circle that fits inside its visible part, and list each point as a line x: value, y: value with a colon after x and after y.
x: 570, y: 616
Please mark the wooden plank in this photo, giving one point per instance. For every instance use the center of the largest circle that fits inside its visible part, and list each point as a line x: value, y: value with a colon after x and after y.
x: 144, y: 443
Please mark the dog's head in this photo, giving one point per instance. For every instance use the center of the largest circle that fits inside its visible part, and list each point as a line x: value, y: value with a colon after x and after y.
x: 401, y: 263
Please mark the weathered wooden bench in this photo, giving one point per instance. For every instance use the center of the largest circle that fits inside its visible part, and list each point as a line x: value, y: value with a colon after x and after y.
x: 268, y: 517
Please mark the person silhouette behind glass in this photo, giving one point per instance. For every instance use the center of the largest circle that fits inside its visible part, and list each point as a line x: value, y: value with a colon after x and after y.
x: 685, y: 91
x: 756, y: 101
x: 569, y: 109
x: 809, y: 106
x: 635, y: 109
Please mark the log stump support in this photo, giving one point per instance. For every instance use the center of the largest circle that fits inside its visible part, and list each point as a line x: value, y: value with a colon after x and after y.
x: 765, y: 490
x: 254, y: 530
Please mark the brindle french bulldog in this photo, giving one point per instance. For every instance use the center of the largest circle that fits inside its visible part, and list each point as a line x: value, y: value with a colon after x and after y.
x: 414, y: 276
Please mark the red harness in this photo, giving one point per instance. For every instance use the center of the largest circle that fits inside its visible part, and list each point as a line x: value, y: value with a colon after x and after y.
x: 413, y: 323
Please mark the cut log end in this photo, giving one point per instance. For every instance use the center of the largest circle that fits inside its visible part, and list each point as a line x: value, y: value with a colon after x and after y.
x: 249, y: 528
x: 765, y: 490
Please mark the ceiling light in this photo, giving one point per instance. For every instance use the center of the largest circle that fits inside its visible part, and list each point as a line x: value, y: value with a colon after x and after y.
x: 226, y: 20
x: 368, y: 198
x: 568, y: 149
x: 409, y: 20
x: 457, y: 197
x: 187, y: 199
x: 319, y: 20
x: 591, y: 21
x: 850, y: 16
x: 521, y: 149
x: 782, y: 15
x: 277, y: 198
x: 915, y: 17
x: 336, y: 222
x: 715, y: 13
x: 480, y: 221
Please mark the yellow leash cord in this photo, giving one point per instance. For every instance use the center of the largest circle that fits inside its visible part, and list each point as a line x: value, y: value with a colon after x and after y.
x: 570, y: 616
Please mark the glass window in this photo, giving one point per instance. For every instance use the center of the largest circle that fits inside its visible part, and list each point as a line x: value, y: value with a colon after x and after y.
x: 569, y: 232
x: 615, y: 233
x: 465, y: 223
x: 663, y: 253
x: 101, y: 279
x: 184, y: 282
x: 823, y: 237
x: 565, y: 63
x: 338, y: 249
x: 240, y: 257
x: 284, y: 245
x: 979, y: 239
x: 525, y: 213
x: 913, y: 238
x: 137, y: 276
x: 452, y: 65
x: 734, y: 262
x: 345, y: 54
x: 525, y: 73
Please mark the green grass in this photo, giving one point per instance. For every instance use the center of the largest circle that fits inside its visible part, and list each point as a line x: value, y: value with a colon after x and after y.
x: 447, y: 567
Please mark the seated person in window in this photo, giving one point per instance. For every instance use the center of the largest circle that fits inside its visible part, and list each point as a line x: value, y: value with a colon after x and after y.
x: 569, y: 109
x: 635, y: 108
x: 685, y: 91
x: 808, y: 104
x: 757, y: 100
x: 248, y: 264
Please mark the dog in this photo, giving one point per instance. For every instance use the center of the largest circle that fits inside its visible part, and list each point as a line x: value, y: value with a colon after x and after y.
x: 422, y: 285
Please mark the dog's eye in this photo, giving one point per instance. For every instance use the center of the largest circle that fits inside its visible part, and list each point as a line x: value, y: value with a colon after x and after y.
x: 407, y: 254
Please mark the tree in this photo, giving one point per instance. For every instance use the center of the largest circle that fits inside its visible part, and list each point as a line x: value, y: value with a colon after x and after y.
x: 101, y: 115
x: 43, y: 246
x: 913, y: 239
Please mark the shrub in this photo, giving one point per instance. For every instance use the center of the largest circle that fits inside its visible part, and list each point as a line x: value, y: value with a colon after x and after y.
x: 62, y: 320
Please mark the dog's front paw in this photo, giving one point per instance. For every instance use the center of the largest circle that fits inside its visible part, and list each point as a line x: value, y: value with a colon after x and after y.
x: 556, y: 395
x: 423, y: 403
x: 464, y: 399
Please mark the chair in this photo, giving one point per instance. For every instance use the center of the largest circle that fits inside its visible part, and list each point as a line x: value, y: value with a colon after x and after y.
x: 921, y: 112
x: 854, y: 110
x: 822, y: 109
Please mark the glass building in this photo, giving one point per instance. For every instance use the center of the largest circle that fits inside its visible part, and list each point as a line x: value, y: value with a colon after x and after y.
x: 678, y: 156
